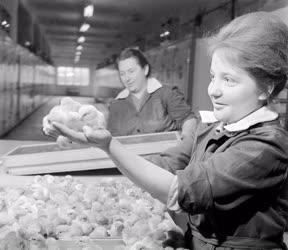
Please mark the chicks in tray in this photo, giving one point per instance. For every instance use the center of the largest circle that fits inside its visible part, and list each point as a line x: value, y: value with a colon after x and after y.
x: 61, y: 208
x: 74, y: 115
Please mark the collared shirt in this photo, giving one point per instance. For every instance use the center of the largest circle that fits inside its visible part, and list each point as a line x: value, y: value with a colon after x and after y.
x: 232, y: 182
x: 161, y: 108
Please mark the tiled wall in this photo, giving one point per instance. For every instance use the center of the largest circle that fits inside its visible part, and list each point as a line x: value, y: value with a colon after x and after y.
x: 23, y: 76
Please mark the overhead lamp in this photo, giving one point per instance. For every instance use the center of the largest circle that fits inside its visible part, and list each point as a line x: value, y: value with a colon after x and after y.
x: 165, y: 33
x: 78, y: 53
x: 88, y: 10
x: 27, y: 43
x: 81, y: 39
x: 76, y: 59
x: 79, y: 47
x: 84, y: 27
x: 4, y: 22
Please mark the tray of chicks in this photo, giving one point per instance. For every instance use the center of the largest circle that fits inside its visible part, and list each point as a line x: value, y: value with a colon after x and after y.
x: 56, y: 212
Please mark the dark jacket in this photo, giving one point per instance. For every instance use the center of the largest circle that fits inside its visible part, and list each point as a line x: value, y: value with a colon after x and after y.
x: 163, y: 110
x: 233, y: 185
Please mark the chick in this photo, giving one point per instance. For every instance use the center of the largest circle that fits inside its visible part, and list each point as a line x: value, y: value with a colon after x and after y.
x: 68, y: 104
x: 92, y: 117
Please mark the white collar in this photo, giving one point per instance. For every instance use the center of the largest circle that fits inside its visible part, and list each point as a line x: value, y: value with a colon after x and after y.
x: 264, y: 114
x: 152, y: 85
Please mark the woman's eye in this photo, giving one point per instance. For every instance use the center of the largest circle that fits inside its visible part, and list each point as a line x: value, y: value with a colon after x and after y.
x: 229, y: 81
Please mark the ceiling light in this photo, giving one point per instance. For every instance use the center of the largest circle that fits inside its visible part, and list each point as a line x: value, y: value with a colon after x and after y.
x: 27, y: 43
x: 81, y: 39
x: 84, y: 27
x: 4, y: 22
x: 76, y: 59
x: 88, y: 10
x: 78, y: 53
x: 165, y: 33
x: 79, y: 47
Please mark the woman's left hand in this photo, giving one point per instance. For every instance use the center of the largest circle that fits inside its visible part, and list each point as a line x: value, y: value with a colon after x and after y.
x: 99, y: 137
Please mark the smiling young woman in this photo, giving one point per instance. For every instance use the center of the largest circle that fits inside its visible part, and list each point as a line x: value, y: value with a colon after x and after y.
x: 230, y: 175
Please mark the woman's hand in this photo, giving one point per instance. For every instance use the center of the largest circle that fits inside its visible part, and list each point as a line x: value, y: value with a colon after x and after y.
x: 48, y: 128
x: 100, y: 138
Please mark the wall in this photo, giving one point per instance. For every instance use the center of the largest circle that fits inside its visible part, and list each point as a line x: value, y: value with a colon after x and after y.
x: 107, y: 83
x: 201, y: 77
x: 22, y: 79
x: 170, y: 63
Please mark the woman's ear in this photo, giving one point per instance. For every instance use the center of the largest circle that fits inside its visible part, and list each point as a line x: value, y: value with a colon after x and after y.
x: 263, y: 96
x: 266, y: 94
x: 146, y: 70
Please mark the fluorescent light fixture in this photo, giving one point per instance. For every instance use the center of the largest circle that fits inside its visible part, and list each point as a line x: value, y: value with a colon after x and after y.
x: 88, y: 10
x: 81, y: 39
x: 27, y: 43
x: 76, y: 59
x: 166, y: 33
x: 84, y: 27
x: 79, y: 47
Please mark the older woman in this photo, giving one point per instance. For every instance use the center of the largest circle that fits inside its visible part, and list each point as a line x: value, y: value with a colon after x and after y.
x: 145, y: 105
x: 232, y: 171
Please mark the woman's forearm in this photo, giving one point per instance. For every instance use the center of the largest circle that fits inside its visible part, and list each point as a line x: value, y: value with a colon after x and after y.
x: 143, y: 173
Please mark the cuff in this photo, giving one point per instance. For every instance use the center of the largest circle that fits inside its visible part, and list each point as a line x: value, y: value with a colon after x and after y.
x: 172, y: 201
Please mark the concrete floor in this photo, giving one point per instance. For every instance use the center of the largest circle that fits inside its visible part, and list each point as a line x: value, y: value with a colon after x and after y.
x: 31, y: 127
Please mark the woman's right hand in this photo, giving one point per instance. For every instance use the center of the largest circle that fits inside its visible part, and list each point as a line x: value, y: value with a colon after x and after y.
x: 48, y: 128
x: 100, y: 138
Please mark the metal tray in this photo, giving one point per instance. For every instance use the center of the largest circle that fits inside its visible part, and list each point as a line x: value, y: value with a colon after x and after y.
x: 95, y: 244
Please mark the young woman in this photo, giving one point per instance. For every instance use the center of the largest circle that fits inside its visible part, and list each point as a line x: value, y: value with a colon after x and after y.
x: 232, y: 171
x: 145, y: 105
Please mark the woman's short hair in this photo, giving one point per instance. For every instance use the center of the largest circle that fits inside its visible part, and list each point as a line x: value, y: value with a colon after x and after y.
x: 258, y: 43
x: 135, y: 53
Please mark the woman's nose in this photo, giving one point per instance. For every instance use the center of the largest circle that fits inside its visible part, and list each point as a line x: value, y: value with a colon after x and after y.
x: 214, y: 89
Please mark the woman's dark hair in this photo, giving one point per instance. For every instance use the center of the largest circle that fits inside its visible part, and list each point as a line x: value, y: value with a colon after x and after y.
x: 135, y: 53
x: 258, y: 43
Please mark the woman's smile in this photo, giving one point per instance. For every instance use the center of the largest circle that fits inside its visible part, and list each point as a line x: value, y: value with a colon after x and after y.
x: 218, y: 105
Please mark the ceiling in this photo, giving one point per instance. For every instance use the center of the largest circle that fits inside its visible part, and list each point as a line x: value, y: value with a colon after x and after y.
x: 114, y: 25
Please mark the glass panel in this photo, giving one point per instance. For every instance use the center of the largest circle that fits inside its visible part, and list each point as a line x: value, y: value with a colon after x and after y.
x: 73, y: 76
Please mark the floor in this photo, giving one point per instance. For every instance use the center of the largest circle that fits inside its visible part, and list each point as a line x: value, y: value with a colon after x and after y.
x: 31, y: 127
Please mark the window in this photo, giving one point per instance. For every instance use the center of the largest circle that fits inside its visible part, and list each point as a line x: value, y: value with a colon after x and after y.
x: 73, y: 76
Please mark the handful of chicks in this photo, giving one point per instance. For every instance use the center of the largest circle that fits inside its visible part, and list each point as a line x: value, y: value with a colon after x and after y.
x: 74, y: 115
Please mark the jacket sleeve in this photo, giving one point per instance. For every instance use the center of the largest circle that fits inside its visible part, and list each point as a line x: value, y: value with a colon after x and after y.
x: 113, y: 120
x: 177, y: 107
x: 177, y: 157
x: 251, y: 167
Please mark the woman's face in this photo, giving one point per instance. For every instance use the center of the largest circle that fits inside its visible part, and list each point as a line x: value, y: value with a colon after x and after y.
x: 234, y: 94
x: 132, y: 75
